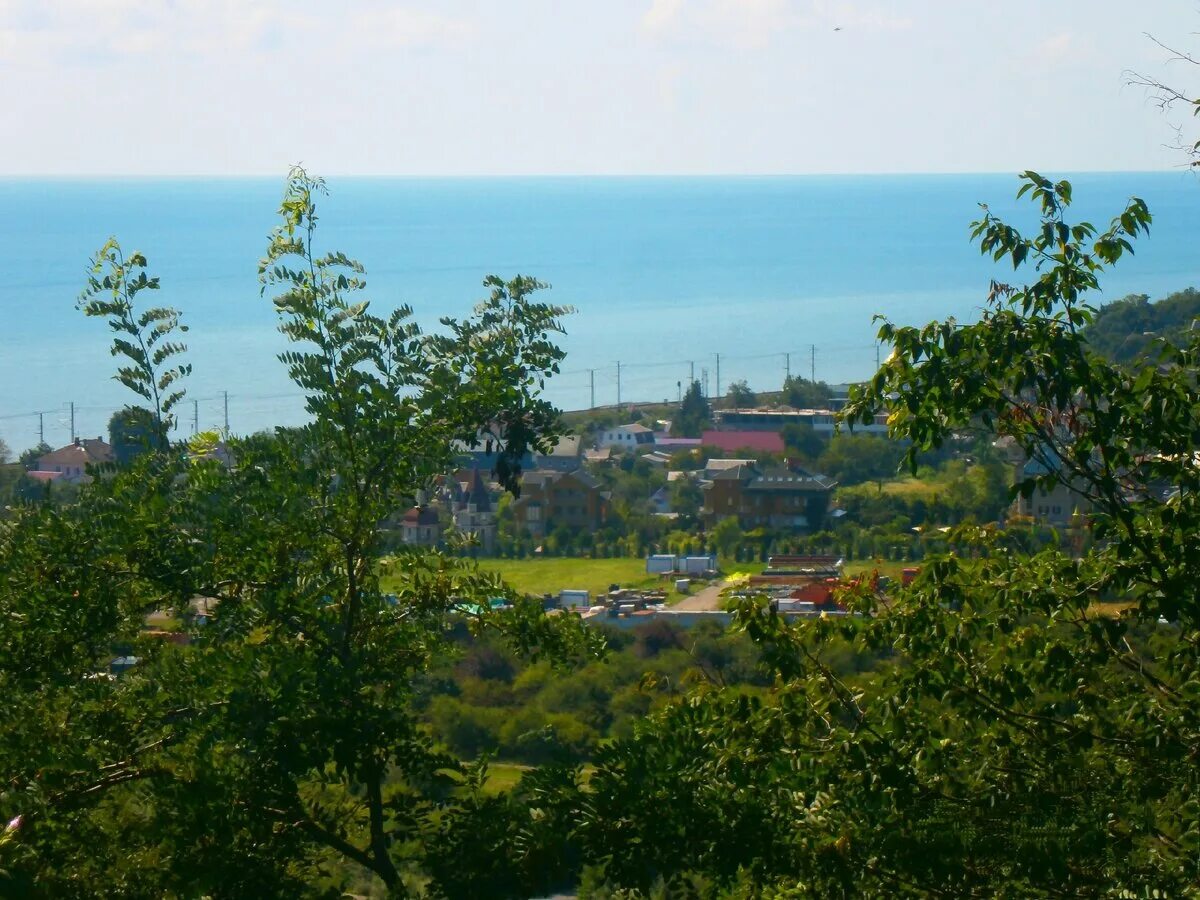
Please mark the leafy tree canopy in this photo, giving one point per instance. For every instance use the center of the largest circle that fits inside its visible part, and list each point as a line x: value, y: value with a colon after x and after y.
x: 740, y: 396
x: 1128, y: 330
x: 694, y: 414
x: 1027, y: 741
x: 277, y: 752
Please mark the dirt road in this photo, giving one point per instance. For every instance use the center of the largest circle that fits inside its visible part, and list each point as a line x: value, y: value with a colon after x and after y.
x: 708, y: 598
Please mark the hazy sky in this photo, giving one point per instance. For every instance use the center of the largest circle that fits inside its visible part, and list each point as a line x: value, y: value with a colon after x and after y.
x: 562, y: 86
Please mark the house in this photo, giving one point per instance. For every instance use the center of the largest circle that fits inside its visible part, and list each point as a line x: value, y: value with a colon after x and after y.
x: 471, y: 506
x: 774, y: 498
x: 421, y: 527
x: 1056, y: 505
x: 657, y: 458
x: 625, y: 437
x: 732, y: 441
x: 551, y: 500
x: 70, y: 463
x: 565, y: 456
x: 713, y: 466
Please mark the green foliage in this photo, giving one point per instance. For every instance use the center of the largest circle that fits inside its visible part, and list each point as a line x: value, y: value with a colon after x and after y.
x: 726, y: 535
x: 693, y: 415
x: 1128, y: 330
x: 28, y: 459
x: 280, y: 745
x: 800, y: 393
x: 1016, y: 745
x: 855, y: 458
x: 143, y: 338
x: 740, y: 396
x: 131, y: 432
x: 802, y: 441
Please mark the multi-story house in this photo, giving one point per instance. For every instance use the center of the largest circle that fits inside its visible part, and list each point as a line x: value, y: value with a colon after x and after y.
x: 551, y: 500
x: 471, y: 506
x: 625, y: 437
x: 772, y: 498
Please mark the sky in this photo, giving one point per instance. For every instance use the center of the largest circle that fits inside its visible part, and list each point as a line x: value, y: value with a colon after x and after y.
x: 547, y: 87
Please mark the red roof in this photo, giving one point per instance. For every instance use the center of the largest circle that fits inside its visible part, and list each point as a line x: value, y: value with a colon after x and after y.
x: 730, y: 441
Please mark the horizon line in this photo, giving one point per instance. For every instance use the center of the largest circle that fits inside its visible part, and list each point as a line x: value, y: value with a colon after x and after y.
x: 376, y: 176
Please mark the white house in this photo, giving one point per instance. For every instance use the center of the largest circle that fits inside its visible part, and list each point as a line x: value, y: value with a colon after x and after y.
x: 626, y: 437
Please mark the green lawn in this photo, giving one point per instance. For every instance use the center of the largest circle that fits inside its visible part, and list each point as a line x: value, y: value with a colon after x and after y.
x: 503, y: 777
x: 882, y: 566
x: 549, y: 576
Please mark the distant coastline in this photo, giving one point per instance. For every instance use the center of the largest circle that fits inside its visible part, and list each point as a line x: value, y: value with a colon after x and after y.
x: 665, y: 272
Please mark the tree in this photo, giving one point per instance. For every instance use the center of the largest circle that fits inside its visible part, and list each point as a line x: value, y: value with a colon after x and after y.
x: 131, y: 432
x: 855, y: 458
x: 727, y: 535
x: 144, y: 340
x: 686, y: 497
x: 694, y: 414
x: 5, y: 453
x: 280, y: 744
x: 1168, y: 98
x: 740, y: 396
x: 1014, y: 739
x: 29, y: 458
x: 801, y: 393
x: 802, y: 439
x: 1126, y: 330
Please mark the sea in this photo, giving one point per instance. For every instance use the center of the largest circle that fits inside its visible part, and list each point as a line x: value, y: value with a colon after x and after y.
x: 718, y: 278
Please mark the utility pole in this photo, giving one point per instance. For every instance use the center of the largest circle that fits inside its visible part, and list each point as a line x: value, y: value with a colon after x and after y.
x: 877, y: 356
x: 72, y: 421
x: 618, y: 383
x: 41, y: 429
x: 691, y: 371
x: 679, y: 391
x: 717, y: 393
x: 813, y: 378
x: 787, y: 367
x: 195, y: 416
x: 592, y: 383
x: 226, y: 397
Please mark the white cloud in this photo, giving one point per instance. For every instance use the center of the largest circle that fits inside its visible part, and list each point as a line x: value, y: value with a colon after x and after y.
x: 844, y: 14
x: 753, y: 24
x: 96, y: 31
x: 668, y: 78
x: 392, y: 26
x: 1059, y: 50
x: 661, y: 15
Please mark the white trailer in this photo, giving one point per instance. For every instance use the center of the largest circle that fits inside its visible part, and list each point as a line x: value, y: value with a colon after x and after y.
x: 660, y: 563
x: 574, y: 599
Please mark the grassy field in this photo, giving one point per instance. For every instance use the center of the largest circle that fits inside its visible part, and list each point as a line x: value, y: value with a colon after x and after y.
x: 882, y: 566
x: 551, y: 575
x: 504, y: 776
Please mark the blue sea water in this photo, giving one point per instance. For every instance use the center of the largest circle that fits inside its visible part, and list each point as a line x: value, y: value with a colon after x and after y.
x: 664, y: 273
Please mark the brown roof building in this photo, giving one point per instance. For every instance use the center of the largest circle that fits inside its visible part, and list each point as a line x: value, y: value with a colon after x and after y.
x: 551, y: 500
x: 71, y: 462
x: 772, y: 498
